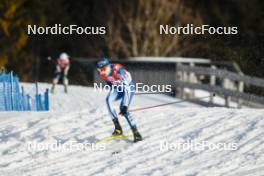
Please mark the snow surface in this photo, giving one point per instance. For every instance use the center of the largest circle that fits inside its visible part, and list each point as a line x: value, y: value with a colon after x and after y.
x: 81, y: 117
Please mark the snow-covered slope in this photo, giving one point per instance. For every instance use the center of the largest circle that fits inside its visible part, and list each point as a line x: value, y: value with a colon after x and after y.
x: 81, y: 118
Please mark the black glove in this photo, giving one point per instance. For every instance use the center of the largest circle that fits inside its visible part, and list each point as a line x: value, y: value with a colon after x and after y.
x: 123, y: 110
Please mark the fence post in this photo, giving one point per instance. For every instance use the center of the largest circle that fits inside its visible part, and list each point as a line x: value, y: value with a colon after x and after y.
x: 7, y: 92
x: 23, y: 98
x: 28, y: 103
x: 11, y: 90
x: 36, y: 97
x: 46, y: 100
x: 17, y: 95
x: 5, y: 98
x: 212, y: 84
x: 179, y: 76
x: 240, y: 89
x: 184, y: 79
x: 227, y: 86
x: 40, y: 103
x: 192, y: 79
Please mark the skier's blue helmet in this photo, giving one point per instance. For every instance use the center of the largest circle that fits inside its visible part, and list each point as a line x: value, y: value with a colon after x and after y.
x: 102, y: 62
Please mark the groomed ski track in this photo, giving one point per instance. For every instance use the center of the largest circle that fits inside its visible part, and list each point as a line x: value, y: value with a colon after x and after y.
x: 81, y: 117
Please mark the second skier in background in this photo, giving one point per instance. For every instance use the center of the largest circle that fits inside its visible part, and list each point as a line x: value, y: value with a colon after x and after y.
x: 62, y: 69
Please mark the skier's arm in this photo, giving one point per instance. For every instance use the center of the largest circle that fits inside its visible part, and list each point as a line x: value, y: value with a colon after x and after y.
x: 124, y: 76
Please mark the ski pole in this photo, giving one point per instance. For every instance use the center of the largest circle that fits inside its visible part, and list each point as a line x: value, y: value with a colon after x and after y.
x: 166, y: 104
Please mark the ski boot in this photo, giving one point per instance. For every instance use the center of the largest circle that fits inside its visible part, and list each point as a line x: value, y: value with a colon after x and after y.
x: 118, y: 129
x: 137, y: 136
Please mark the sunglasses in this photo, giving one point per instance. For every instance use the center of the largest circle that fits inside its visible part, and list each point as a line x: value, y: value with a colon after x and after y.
x: 102, y: 69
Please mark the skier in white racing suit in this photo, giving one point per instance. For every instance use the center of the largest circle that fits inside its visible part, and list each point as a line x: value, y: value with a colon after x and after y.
x: 122, y: 91
x: 62, y: 69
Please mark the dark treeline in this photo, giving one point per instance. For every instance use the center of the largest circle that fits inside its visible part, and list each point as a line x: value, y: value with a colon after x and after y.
x: 132, y: 30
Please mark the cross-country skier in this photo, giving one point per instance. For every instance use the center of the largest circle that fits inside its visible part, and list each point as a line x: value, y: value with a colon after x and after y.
x: 62, y: 69
x: 122, y: 91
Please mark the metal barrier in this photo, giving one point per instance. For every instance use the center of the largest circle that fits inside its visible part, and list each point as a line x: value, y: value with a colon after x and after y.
x: 14, y: 98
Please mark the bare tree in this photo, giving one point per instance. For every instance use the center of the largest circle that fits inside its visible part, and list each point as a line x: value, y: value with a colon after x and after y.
x: 133, y: 28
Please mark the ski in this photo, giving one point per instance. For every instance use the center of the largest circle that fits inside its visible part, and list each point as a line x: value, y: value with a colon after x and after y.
x: 109, y: 138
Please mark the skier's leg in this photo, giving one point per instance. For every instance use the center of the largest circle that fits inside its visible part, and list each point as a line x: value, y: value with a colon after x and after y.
x: 56, y: 79
x: 65, y: 83
x: 65, y: 79
x: 127, y: 98
x: 110, y: 106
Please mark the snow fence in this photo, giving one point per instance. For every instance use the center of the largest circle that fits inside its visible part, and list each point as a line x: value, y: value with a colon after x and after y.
x: 14, y: 98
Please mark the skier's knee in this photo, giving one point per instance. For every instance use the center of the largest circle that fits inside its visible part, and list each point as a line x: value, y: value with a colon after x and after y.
x: 65, y: 81
x: 55, y: 81
x: 123, y: 110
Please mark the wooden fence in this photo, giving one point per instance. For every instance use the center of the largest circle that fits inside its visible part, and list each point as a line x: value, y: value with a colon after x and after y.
x: 227, y: 84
